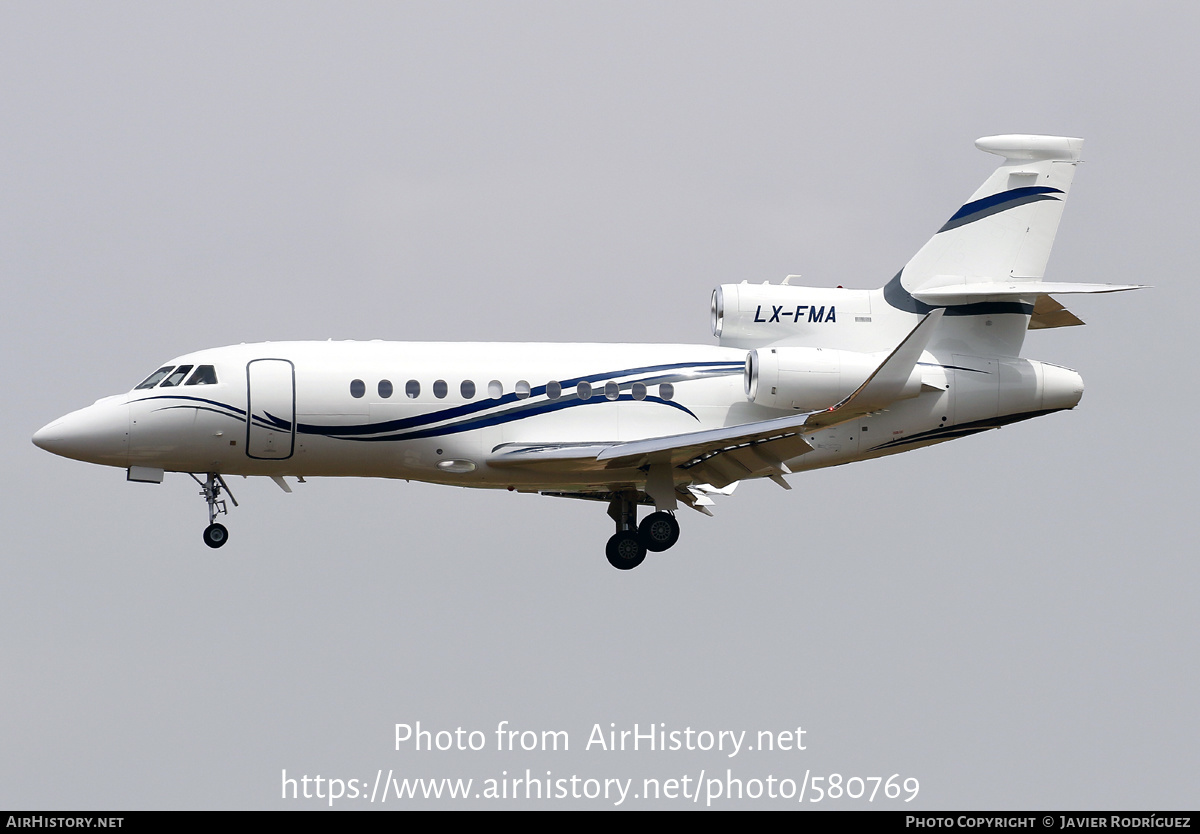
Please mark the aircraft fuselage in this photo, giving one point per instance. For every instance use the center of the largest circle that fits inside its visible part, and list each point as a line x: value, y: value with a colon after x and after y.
x: 439, y: 412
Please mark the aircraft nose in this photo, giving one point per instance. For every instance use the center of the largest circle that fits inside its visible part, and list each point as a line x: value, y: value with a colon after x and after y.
x: 96, y: 434
x: 44, y: 437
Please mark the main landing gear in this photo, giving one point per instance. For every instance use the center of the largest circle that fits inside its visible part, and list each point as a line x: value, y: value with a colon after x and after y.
x: 215, y: 535
x: 626, y: 549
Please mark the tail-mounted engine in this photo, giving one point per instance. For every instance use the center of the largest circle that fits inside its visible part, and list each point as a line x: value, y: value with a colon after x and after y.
x: 755, y: 315
x: 812, y: 379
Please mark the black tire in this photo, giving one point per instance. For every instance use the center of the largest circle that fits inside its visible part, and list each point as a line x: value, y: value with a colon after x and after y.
x: 625, y: 550
x: 215, y: 535
x: 659, y: 532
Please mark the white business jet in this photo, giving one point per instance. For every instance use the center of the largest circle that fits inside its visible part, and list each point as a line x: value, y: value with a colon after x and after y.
x: 802, y: 378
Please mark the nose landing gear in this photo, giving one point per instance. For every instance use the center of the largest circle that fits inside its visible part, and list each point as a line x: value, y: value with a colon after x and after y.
x: 626, y: 549
x: 215, y: 535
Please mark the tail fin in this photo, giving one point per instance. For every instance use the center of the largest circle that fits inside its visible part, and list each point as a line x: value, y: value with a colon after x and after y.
x: 989, y: 258
x: 1005, y: 231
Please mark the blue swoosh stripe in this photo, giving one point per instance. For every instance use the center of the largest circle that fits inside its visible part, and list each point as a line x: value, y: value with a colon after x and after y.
x: 392, y: 430
x: 270, y: 421
x: 232, y: 408
x: 996, y: 203
x: 200, y: 408
x: 507, y: 399
x: 505, y: 417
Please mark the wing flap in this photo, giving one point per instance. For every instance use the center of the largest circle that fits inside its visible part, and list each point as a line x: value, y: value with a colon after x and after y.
x: 760, y: 459
x: 683, y: 448
x: 724, y: 455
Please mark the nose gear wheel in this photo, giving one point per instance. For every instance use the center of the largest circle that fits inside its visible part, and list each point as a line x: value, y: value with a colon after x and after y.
x: 215, y: 535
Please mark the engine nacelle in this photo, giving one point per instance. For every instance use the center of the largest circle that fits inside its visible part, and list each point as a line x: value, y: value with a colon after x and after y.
x: 755, y: 315
x: 811, y: 379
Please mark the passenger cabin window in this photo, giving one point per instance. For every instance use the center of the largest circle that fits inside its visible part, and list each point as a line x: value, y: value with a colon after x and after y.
x: 154, y: 378
x: 412, y: 389
x: 385, y: 388
x: 584, y: 390
x: 440, y: 389
x: 523, y: 389
x: 176, y: 376
x: 611, y: 390
x: 495, y: 389
x: 666, y: 390
x: 639, y: 390
x: 357, y: 388
x: 553, y: 389
x: 203, y: 375
x: 467, y: 389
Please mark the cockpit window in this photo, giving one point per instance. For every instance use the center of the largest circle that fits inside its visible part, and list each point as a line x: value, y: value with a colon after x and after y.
x: 204, y: 375
x: 176, y: 376
x: 154, y: 378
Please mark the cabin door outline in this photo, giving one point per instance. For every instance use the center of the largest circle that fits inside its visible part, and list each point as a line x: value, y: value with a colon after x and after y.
x: 270, y: 409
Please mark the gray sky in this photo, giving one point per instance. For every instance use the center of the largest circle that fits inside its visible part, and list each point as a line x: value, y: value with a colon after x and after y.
x: 1009, y: 618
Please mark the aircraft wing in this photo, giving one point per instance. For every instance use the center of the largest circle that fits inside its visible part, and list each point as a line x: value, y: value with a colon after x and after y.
x: 720, y: 456
x: 725, y: 455
x: 714, y: 456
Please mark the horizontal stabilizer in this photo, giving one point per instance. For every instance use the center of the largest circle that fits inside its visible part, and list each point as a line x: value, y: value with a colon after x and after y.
x: 886, y: 384
x: 996, y: 290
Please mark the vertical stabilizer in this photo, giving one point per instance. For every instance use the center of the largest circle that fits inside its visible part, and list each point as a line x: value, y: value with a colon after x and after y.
x: 1007, y: 227
x: 984, y: 266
